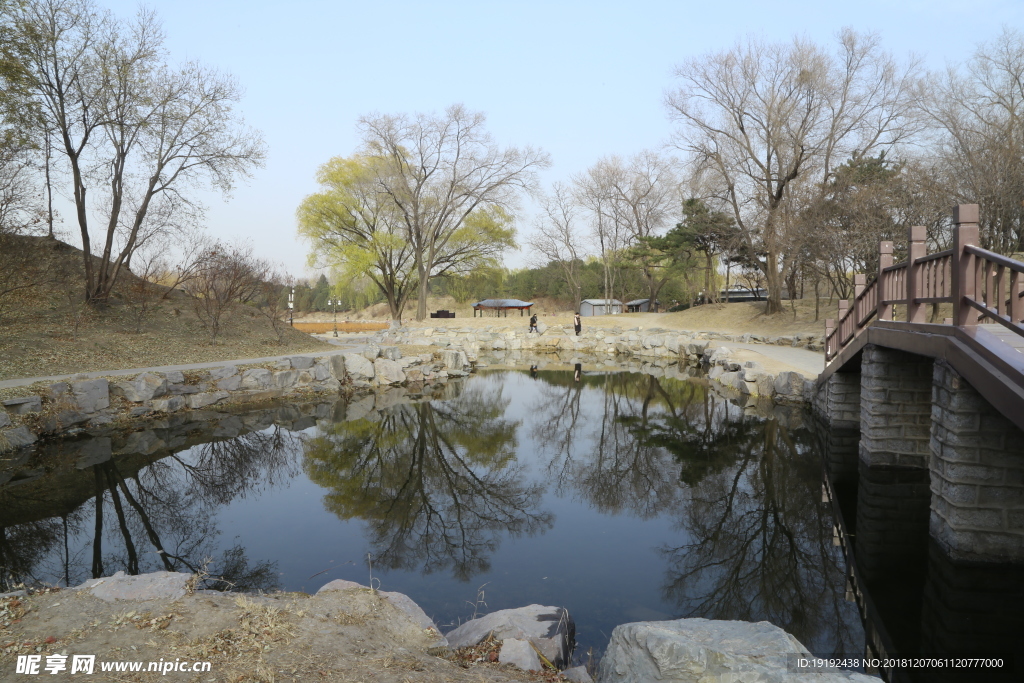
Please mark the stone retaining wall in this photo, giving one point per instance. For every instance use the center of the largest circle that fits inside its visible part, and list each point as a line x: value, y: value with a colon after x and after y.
x: 66, y: 407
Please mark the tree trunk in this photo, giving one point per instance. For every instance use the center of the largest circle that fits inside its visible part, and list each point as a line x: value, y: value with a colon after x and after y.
x: 773, y: 279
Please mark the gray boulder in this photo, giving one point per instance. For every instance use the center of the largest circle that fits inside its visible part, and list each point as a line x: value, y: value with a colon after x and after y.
x: 5, y: 420
x: 223, y: 372
x: 256, y: 378
x: 391, y: 353
x: 283, y: 379
x: 577, y: 674
x: 321, y: 370
x: 301, y: 362
x: 175, y: 377
x: 706, y: 651
x: 551, y: 629
x: 91, y: 395
x: 454, y: 360
x: 167, y: 405
x: 19, y: 437
x: 145, y: 387
x: 205, y: 398
x: 519, y: 653
x: 789, y: 385
x: 541, y: 327
x: 232, y: 383
x: 142, y: 587
x: 338, y: 371
x: 388, y: 371
x: 24, y: 404
x: 358, y: 366
x: 371, y: 352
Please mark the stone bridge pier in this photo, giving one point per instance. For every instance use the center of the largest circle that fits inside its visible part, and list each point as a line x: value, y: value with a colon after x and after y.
x: 933, y: 458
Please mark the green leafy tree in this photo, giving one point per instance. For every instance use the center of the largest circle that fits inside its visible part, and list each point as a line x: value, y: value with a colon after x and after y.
x: 702, y: 231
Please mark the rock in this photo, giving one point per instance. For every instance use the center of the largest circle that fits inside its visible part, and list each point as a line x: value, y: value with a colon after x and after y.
x: 144, y: 387
x: 19, y: 437
x: 706, y: 651
x: 58, y: 389
x: 301, y: 362
x: 541, y: 327
x: 232, y: 383
x: 454, y: 360
x: 551, y: 629
x: 388, y: 371
x: 340, y: 585
x: 167, y: 405
x: 223, y: 372
x: 321, y: 370
x: 283, y: 379
x: 790, y: 385
x: 391, y: 352
x: 24, y: 404
x: 358, y: 366
x: 5, y: 419
x: 92, y: 395
x: 371, y: 352
x: 577, y: 674
x: 205, y: 398
x: 175, y: 377
x: 142, y: 587
x: 519, y: 653
x: 256, y: 378
x: 338, y: 367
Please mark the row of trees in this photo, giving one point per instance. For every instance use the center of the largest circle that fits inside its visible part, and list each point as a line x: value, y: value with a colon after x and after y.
x: 795, y: 160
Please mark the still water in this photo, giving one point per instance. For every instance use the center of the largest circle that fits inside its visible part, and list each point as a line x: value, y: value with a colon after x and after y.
x: 621, y: 496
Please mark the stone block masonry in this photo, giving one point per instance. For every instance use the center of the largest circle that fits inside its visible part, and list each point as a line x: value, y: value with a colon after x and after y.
x: 977, y: 473
x: 895, y: 408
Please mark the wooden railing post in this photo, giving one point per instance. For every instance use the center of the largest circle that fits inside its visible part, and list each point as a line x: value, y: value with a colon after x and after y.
x: 916, y: 248
x: 830, y: 344
x: 884, y: 261
x: 860, y: 281
x: 965, y: 216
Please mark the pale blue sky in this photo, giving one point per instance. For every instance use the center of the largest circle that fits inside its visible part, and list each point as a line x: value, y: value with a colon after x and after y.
x: 579, y: 79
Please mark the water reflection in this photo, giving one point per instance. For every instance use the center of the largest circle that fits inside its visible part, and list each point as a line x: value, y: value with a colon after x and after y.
x: 438, y: 482
x: 621, y: 495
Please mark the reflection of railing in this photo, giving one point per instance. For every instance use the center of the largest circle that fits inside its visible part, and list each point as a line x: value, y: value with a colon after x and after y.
x: 980, y: 284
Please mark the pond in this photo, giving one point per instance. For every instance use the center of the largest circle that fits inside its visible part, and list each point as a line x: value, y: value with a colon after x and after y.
x: 619, y: 495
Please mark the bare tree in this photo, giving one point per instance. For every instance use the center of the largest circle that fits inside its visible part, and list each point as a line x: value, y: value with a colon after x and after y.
x: 438, y: 172
x: 593, y: 191
x: 763, y: 118
x: 227, y: 275
x: 271, y: 304
x: 134, y: 131
x: 558, y: 240
x: 979, y: 113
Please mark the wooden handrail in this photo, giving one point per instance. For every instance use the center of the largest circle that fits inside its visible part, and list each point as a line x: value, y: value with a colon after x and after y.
x: 981, y: 285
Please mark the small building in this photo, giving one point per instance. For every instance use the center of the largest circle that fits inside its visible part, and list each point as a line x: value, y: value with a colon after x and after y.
x: 499, y: 305
x: 640, y: 305
x: 590, y: 307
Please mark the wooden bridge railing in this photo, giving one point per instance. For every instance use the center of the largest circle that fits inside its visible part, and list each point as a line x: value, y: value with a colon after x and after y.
x: 981, y: 285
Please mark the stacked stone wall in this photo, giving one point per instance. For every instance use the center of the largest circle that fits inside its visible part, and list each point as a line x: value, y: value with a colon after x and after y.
x: 977, y: 473
x: 895, y: 408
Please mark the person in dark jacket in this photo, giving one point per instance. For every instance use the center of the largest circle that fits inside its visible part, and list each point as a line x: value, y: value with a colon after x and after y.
x: 533, y: 323
x: 577, y: 323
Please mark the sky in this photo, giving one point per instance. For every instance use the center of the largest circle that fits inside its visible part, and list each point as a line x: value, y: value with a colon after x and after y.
x: 581, y: 80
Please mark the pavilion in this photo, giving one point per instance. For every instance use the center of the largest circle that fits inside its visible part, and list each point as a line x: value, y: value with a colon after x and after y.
x: 499, y: 305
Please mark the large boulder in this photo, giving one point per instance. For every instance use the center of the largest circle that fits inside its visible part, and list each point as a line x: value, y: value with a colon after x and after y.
x: 338, y: 371
x: 551, y: 629
x: 257, y: 378
x: 18, y: 437
x: 707, y: 651
x: 24, y: 404
x: 790, y: 385
x: 388, y: 371
x: 301, y: 362
x: 454, y: 360
x: 142, y: 587
x: 92, y: 395
x: 519, y: 653
x: 143, y: 388
x: 358, y: 366
x: 205, y: 398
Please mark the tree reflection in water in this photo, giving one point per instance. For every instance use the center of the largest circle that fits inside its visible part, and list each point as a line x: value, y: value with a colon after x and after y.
x: 438, y: 483
x: 744, y: 490
x: 161, y: 516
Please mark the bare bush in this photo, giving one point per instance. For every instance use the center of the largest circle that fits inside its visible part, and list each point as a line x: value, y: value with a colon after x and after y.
x: 227, y: 275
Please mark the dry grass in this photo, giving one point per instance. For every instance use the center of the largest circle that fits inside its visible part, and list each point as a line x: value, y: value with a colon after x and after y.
x: 40, y: 342
x: 347, y: 326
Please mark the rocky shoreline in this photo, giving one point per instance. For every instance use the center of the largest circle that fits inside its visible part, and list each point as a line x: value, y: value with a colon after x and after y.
x: 69, y: 407
x: 347, y: 628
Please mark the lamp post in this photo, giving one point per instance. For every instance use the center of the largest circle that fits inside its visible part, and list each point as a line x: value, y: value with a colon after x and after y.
x: 334, y: 304
x: 291, y: 307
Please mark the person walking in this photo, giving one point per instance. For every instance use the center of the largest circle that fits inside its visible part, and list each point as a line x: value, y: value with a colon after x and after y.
x: 533, y: 323
x: 577, y: 323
